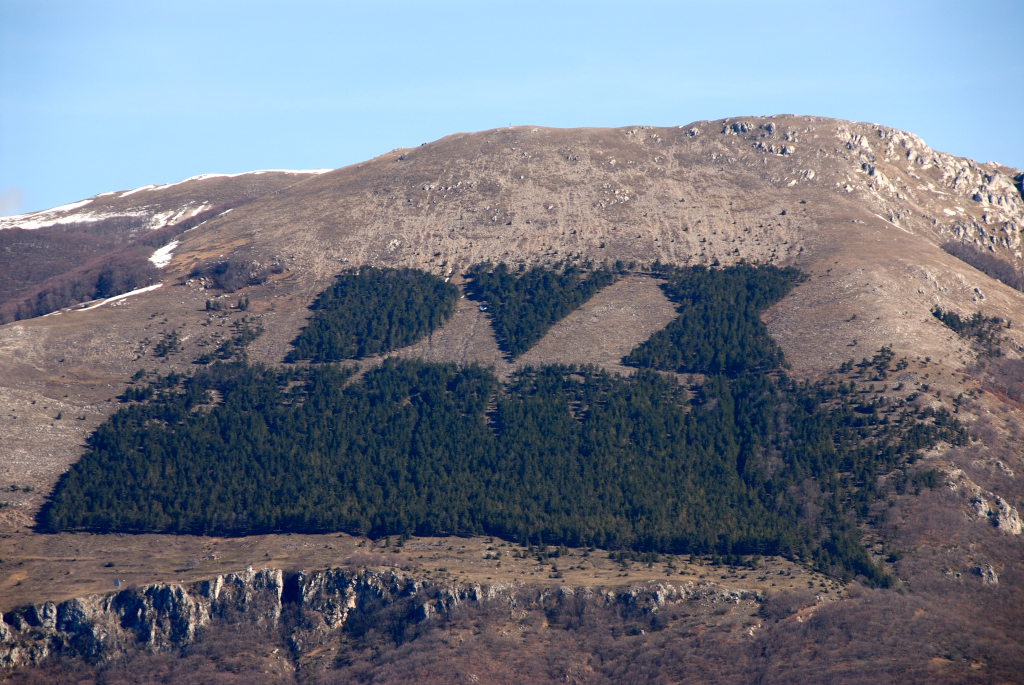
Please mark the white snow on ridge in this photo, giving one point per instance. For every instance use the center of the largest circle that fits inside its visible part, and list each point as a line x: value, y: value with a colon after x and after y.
x: 200, y: 177
x: 132, y: 192
x: 70, y: 219
x: 162, y: 257
x: 46, y: 217
x: 54, y: 210
x: 156, y: 220
x: 62, y: 208
x: 115, y: 298
x: 203, y: 177
x: 63, y: 214
x: 289, y: 171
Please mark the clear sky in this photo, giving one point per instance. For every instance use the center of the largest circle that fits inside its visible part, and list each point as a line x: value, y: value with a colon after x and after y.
x: 98, y: 96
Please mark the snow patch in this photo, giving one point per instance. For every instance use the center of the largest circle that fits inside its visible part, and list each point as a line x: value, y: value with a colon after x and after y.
x: 49, y: 217
x: 288, y: 171
x: 115, y: 298
x: 162, y: 257
x: 138, y: 190
x: 160, y: 219
x: 46, y: 217
x: 55, y: 210
x: 65, y: 208
x: 203, y: 177
x: 50, y: 220
x: 179, y: 216
x: 200, y: 177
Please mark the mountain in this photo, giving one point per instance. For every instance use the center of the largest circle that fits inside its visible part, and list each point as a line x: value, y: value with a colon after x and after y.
x: 155, y: 206
x: 92, y: 248
x: 889, y: 234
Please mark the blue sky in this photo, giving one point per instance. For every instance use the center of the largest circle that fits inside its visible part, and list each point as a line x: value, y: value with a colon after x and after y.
x: 98, y: 96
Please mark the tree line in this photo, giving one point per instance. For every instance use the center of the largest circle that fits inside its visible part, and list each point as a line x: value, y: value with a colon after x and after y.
x: 983, y: 331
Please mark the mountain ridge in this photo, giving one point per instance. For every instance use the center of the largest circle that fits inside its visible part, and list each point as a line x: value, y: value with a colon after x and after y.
x: 110, y: 208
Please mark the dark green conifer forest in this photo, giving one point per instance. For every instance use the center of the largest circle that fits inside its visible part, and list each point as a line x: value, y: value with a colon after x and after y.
x: 523, y: 305
x: 373, y: 311
x: 719, y: 329
x: 555, y: 455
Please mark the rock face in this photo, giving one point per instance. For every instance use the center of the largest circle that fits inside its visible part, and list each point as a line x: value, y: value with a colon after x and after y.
x: 155, y: 617
x: 987, y: 505
x: 1003, y: 516
x: 988, y: 574
x: 163, y: 617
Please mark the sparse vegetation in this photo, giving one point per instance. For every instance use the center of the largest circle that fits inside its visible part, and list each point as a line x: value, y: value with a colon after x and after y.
x: 987, y: 263
x: 246, y: 331
x: 169, y: 343
x: 984, y: 331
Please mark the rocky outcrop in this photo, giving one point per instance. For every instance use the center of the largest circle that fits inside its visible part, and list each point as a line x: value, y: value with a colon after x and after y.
x: 987, y: 573
x: 167, y: 617
x: 986, y: 505
x: 999, y: 513
x: 155, y: 617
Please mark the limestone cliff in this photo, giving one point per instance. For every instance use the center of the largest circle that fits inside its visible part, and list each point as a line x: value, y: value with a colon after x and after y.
x: 167, y: 617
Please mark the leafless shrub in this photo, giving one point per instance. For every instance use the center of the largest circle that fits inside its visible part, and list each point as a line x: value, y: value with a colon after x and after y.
x: 31, y: 256
x: 987, y: 263
x: 780, y: 605
x: 234, y: 274
x: 121, y: 271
